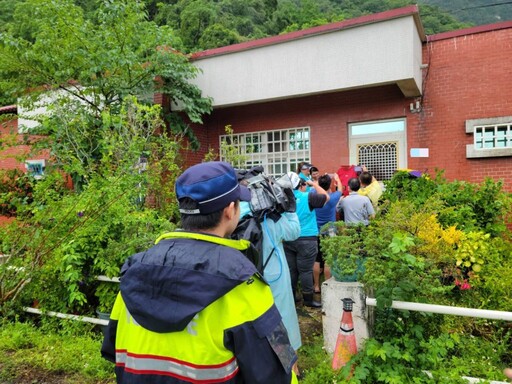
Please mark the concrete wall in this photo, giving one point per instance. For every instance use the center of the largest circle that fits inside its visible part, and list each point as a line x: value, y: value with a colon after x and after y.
x: 385, y: 52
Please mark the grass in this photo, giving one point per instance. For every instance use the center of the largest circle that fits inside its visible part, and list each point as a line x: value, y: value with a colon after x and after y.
x: 64, y: 352
x: 52, y: 354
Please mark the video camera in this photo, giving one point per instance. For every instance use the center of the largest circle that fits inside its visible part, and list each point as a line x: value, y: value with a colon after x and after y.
x: 267, y: 193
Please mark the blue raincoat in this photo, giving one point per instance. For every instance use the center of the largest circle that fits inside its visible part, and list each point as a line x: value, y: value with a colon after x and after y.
x: 277, y: 273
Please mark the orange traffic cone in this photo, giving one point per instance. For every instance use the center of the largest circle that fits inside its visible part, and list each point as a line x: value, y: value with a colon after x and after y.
x: 346, y: 343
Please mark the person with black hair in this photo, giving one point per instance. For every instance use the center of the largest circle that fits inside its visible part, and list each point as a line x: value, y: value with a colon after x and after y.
x: 325, y: 215
x: 314, y: 173
x: 301, y: 253
x: 370, y: 187
x: 356, y: 208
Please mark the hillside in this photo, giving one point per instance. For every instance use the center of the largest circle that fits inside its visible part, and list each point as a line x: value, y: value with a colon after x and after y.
x: 477, y: 12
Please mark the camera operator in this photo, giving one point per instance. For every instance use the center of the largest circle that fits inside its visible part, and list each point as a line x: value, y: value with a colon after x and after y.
x: 278, y: 224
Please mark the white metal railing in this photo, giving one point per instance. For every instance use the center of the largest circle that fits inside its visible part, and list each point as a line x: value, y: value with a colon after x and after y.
x: 107, y: 279
x: 446, y: 310
x: 86, y: 319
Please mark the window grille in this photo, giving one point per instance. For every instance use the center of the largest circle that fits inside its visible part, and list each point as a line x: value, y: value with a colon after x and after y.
x: 278, y: 151
x: 493, y: 136
x: 381, y: 159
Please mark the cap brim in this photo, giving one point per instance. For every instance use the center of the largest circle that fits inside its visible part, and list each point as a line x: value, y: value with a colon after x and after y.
x: 245, y: 194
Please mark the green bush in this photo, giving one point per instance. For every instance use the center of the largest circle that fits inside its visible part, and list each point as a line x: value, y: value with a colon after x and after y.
x: 436, y: 242
x: 63, y: 238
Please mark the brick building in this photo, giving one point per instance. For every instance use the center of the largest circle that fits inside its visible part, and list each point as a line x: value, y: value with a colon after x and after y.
x: 374, y: 90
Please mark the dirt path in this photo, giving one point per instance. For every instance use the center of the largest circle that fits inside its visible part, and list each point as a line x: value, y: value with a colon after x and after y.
x: 310, y: 322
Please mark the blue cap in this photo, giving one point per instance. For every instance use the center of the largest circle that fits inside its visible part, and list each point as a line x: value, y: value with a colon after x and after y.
x: 212, y: 185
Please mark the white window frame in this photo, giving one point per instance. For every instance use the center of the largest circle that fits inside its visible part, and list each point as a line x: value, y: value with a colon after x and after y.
x: 41, y: 163
x: 493, y: 125
x: 282, y: 158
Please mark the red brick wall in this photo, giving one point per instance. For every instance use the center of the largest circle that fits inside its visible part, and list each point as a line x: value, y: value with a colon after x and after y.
x: 9, y: 157
x: 327, y: 115
x: 469, y: 77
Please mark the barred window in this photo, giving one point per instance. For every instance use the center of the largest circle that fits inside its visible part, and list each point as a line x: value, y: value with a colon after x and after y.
x: 380, y: 157
x: 380, y: 145
x: 278, y: 151
x: 492, y: 137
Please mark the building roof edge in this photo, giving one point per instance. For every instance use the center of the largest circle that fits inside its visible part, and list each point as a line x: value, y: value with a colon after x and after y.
x: 470, y: 31
x: 411, y: 10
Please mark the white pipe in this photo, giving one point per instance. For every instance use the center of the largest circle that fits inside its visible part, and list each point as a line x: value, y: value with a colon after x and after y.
x: 86, y: 319
x: 473, y: 380
x: 107, y: 279
x: 446, y: 310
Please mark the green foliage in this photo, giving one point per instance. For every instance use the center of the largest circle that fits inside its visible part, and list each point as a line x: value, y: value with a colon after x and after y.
x: 404, y: 186
x: 79, y: 236
x: 62, y: 239
x: 467, y: 205
x: 15, y: 190
x: 345, y: 252
x: 217, y: 35
x: 477, y: 12
x: 82, y: 68
x: 196, y: 17
x: 435, y: 242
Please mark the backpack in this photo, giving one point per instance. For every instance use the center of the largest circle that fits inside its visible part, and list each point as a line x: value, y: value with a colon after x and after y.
x: 268, y: 200
x: 250, y: 228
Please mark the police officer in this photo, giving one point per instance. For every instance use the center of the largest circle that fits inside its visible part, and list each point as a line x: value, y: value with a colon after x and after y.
x: 192, y: 308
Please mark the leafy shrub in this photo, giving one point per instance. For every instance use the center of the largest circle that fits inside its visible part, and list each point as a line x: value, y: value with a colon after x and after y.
x: 15, y: 190
x: 62, y: 239
x: 435, y: 242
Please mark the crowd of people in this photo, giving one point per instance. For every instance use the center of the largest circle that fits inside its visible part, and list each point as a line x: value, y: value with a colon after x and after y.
x: 195, y: 308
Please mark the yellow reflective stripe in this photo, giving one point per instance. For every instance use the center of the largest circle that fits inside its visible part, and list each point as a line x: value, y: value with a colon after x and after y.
x: 167, y: 366
x: 246, y: 302
x: 236, y: 244
x: 207, y: 339
x: 205, y: 331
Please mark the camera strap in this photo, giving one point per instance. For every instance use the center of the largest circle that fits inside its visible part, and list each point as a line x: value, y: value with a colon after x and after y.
x: 268, y: 259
